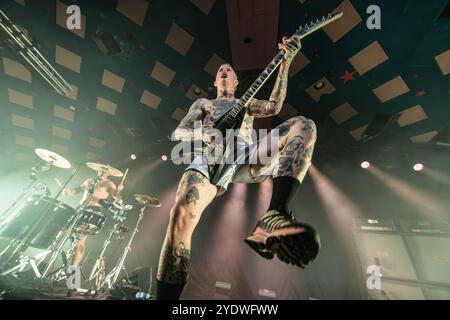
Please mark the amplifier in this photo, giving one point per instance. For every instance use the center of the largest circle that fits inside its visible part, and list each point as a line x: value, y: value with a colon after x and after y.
x: 426, y: 227
x: 383, y: 225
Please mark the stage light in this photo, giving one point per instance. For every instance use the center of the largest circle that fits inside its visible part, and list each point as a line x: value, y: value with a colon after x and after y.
x: 319, y: 85
x: 365, y: 164
x: 133, y: 156
x: 418, y: 167
x: 164, y: 157
x: 197, y: 91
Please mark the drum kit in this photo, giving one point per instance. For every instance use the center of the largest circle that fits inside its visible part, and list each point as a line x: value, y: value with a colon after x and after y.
x: 35, y: 228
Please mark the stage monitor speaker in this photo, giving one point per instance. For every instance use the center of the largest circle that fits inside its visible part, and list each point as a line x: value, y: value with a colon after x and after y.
x: 436, y: 293
x: 431, y: 256
x: 266, y: 294
x: 378, y: 125
x: 222, y: 290
x: 380, y: 225
x: 388, y: 251
x: 430, y: 227
x: 397, y: 290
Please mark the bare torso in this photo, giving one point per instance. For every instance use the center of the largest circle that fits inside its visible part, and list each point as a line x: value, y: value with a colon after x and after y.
x: 102, y: 192
x: 213, y: 110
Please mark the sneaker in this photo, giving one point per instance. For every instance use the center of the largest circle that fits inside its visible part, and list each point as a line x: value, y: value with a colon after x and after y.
x: 257, y: 241
x: 293, y: 242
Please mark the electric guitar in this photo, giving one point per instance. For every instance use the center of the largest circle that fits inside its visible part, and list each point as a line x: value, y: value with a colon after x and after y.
x: 233, y: 118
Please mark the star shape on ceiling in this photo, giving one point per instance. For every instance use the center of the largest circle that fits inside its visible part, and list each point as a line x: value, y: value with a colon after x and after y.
x: 420, y: 93
x: 347, y: 76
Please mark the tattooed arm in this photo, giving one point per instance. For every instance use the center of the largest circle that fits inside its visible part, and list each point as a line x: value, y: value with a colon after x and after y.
x: 262, y: 108
x: 185, y: 130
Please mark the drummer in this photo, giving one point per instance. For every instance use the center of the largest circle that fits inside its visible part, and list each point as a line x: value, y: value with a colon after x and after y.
x: 104, y: 189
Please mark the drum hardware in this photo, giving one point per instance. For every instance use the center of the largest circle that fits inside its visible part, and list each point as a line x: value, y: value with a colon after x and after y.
x: 49, y: 159
x: 105, y: 169
x: 33, y: 175
x: 78, y: 216
x: 62, y: 269
x: 23, y: 262
x: 62, y: 272
x: 97, y: 266
x: 91, y: 222
x: 146, y: 202
x: 119, y: 217
x: 53, y: 158
x: 118, y: 203
x: 118, y: 208
x: 123, y: 229
x: 102, y: 171
x: 20, y: 246
x: 36, y: 225
x: 100, y: 280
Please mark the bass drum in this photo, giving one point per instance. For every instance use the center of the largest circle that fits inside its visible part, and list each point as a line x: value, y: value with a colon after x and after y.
x: 38, y: 222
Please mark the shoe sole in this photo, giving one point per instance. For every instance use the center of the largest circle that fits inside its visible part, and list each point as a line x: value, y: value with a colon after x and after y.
x: 298, y: 249
x: 259, y: 247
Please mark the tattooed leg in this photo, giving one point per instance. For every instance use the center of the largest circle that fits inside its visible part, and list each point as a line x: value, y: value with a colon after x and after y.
x: 297, y: 138
x: 295, y: 145
x: 194, y: 194
x: 277, y: 232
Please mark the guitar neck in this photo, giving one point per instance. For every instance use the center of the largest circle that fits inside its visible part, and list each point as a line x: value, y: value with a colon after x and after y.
x: 273, y: 65
x: 257, y: 84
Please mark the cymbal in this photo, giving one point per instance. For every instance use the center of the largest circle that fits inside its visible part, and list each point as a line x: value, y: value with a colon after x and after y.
x: 104, y: 168
x: 52, y: 158
x: 146, y: 200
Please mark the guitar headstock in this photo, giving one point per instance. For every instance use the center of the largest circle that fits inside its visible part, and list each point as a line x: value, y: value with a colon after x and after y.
x: 319, y: 23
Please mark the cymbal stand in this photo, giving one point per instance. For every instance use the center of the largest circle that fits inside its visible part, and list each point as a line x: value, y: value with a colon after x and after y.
x: 112, y: 276
x: 76, y: 220
x: 96, y: 268
x: 61, y: 272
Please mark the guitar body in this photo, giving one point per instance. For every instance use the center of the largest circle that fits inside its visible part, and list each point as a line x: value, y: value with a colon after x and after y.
x: 223, y: 124
x: 227, y: 122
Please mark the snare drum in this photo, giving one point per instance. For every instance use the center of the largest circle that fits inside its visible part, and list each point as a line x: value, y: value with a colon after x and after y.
x: 91, y: 221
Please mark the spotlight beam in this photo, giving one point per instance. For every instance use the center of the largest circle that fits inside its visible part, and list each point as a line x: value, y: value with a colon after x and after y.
x: 421, y: 200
